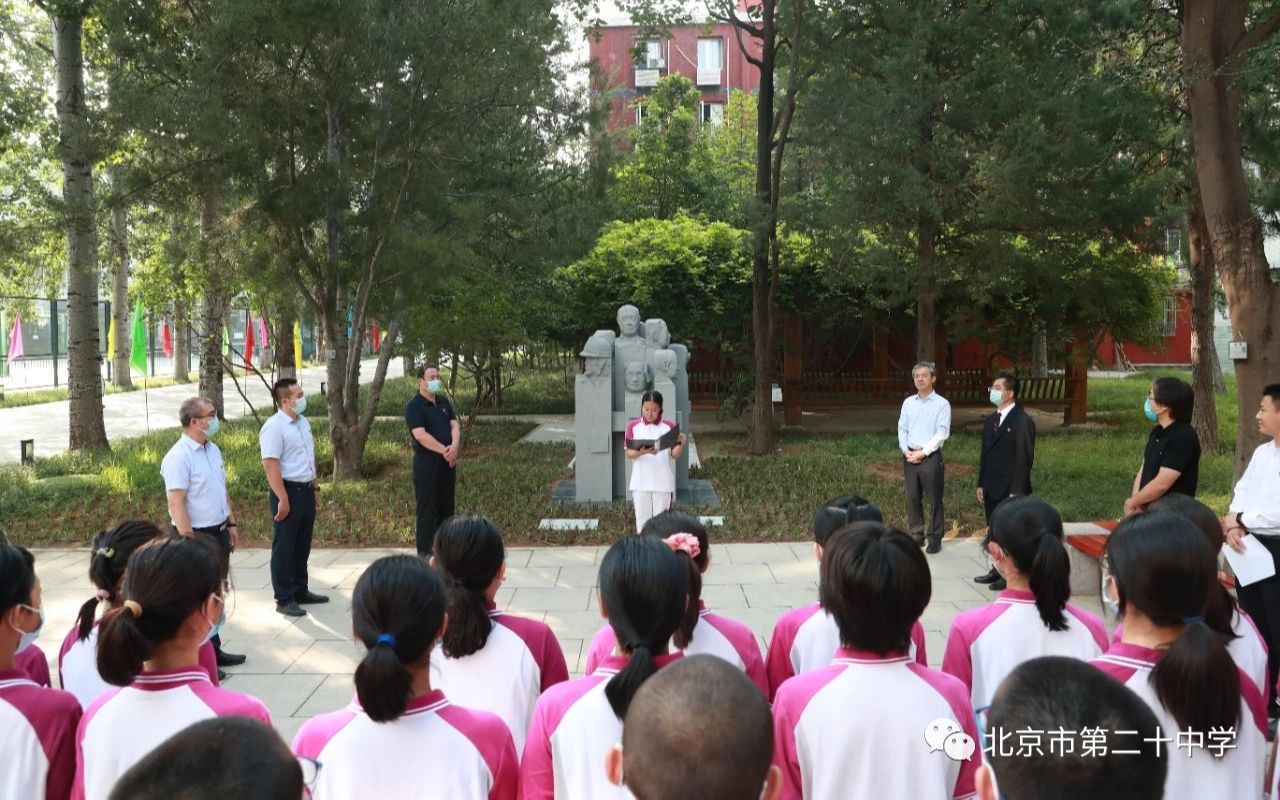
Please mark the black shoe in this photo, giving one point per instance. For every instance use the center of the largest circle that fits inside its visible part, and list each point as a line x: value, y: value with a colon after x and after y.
x: 222, y: 676
x: 1271, y: 728
x: 998, y: 585
x: 290, y: 609
x: 306, y: 596
x: 934, y: 546
x: 226, y: 659
x: 918, y: 538
x: 990, y: 577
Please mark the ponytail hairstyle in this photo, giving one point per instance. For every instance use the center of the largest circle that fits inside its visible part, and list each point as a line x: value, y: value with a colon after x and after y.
x: 840, y: 511
x: 1221, y: 609
x: 165, y: 582
x: 468, y: 555
x: 17, y: 577
x: 108, y: 556
x: 875, y: 583
x: 1164, y: 568
x: 695, y: 554
x: 1029, y: 530
x: 644, y: 589
x: 396, y: 610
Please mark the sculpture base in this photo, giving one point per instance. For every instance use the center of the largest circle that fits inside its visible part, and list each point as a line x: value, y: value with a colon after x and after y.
x: 700, y: 494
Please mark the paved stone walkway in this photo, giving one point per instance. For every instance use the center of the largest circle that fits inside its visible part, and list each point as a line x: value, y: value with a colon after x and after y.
x: 300, y: 668
x: 136, y: 413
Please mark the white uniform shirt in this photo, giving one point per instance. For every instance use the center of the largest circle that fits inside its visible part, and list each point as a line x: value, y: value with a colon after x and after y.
x: 434, y: 751
x: 573, y: 728
x: 807, y: 638
x: 924, y: 424
x: 78, y: 666
x: 37, y: 739
x: 988, y: 643
x: 1195, y: 774
x: 520, y: 660
x: 712, y: 635
x: 652, y: 472
x: 289, y: 441
x: 122, y: 727
x: 1248, y: 649
x: 198, y: 469
x: 855, y: 728
x: 1257, y: 495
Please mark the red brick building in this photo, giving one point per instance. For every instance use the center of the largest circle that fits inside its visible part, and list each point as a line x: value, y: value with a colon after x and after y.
x: 627, y: 64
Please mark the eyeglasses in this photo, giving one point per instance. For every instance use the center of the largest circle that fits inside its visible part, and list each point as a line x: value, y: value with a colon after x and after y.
x: 310, y: 774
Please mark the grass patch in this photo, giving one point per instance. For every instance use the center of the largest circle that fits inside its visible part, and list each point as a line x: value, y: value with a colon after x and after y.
x: 15, y: 398
x: 1086, y: 473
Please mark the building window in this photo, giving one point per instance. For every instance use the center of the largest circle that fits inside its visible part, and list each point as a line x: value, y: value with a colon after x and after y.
x: 712, y: 114
x: 651, y: 55
x: 642, y: 112
x: 1168, y: 326
x: 710, y: 61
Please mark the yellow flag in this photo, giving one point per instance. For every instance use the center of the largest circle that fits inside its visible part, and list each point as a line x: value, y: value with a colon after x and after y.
x: 297, y: 345
x: 111, y: 338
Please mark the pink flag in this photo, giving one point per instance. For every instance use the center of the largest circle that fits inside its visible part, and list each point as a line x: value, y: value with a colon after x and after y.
x: 263, y: 340
x: 15, y: 340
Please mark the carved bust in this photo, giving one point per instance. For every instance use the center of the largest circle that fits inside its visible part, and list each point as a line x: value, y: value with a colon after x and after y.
x: 665, y: 364
x: 656, y: 333
x: 635, y: 376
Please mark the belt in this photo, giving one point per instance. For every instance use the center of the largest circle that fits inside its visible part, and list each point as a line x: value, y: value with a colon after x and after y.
x: 918, y: 449
x: 298, y: 484
x: 211, y: 529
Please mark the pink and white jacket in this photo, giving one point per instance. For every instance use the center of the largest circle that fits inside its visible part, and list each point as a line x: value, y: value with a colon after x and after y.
x: 37, y: 739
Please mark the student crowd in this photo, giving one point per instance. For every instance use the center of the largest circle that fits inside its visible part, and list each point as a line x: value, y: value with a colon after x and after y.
x: 457, y: 699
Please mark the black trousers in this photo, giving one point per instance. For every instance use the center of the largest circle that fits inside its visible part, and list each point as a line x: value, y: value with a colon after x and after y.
x: 291, y: 541
x: 989, y: 502
x: 221, y: 536
x: 1261, y: 601
x: 433, y: 488
x: 925, y: 480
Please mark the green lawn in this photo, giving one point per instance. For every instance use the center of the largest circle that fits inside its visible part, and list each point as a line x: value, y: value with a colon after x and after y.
x: 14, y: 398
x: 1086, y: 472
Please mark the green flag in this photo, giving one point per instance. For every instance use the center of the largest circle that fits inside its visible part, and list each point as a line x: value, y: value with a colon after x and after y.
x: 138, y: 348
x: 226, y: 339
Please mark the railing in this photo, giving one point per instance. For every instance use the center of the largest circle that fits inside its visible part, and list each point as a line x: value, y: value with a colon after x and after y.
x: 848, y: 389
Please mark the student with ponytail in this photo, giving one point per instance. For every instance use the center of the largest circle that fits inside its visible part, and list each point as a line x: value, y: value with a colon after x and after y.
x: 1161, y: 572
x: 37, y: 724
x: 1030, y: 618
x: 78, y: 658
x: 487, y: 659
x: 171, y: 603
x: 401, y: 737
x: 643, y: 592
x: 701, y: 631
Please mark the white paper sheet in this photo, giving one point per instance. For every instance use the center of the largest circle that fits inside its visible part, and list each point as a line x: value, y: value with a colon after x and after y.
x: 1253, y: 565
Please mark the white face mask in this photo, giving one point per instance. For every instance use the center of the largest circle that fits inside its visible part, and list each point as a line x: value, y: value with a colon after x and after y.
x: 28, y: 638
x: 215, y: 627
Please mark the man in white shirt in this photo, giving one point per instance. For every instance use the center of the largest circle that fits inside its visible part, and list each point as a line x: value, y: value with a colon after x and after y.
x: 923, y: 425
x: 195, y: 483
x: 1255, y: 508
x: 289, y: 459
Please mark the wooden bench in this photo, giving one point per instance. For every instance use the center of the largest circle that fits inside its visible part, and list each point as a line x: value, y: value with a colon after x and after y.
x: 1091, y: 545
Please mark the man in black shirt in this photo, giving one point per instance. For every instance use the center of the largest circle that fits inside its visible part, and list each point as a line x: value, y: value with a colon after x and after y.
x: 436, y: 440
x: 1171, y: 462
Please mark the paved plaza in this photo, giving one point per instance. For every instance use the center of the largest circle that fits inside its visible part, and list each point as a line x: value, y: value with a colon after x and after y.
x: 300, y: 668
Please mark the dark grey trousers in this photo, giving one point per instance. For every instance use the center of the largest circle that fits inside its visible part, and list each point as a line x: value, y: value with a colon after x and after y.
x: 925, y: 480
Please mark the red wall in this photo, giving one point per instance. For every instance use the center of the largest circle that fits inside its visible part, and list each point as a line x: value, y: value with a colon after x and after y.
x: 1175, y: 349
x: 611, y: 50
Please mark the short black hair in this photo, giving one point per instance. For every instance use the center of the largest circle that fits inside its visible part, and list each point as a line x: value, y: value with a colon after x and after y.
x: 1011, y: 382
x: 17, y: 576
x: 280, y: 389
x: 216, y: 758
x: 841, y: 511
x: 875, y: 583
x: 1055, y: 692
x: 422, y: 370
x: 697, y: 729
x: 1177, y: 394
x: 1272, y: 390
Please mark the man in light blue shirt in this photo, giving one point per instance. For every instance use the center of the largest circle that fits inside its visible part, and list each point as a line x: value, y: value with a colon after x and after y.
x: 923, y: 425
x: 289, y: 459
x: 195, y: 483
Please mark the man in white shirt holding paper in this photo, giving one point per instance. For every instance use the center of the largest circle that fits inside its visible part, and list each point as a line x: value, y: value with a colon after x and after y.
x: 1255, y: 509
x: 923, y: 425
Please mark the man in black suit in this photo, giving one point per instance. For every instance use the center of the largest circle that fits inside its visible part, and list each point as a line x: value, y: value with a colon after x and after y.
x: 1008, y: 451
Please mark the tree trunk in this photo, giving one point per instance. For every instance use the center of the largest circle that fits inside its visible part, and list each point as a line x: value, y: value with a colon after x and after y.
x: 926, y: 291
x: 1200, y: 260
x: 84, y: 359
x: 286, y: 367
x: 1211, y: 31
x: 118, y: 232
x: 762, y: 332
x: 1040, y: 353
x: 181, y: 339
x: 214, y: 309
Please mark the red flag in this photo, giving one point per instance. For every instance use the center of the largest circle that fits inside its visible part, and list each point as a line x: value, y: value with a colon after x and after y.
x: 166, y: 339
x: 248, y: 340
x: 377, y: 340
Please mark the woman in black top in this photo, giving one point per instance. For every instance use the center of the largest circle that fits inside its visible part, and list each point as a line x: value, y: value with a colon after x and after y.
x: 1171, y: 463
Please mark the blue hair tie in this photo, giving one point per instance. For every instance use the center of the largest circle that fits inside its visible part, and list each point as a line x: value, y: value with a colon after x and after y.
x: 386, y: 638
x: 1190, y: 620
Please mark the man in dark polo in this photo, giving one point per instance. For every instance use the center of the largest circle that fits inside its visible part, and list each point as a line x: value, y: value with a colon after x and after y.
x: 436, y: 440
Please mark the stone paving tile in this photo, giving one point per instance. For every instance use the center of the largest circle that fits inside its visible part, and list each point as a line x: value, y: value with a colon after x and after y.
x: 781, y: 596
x: 564, y: 556
x: 549, y: 599
x: 283, y: 694
x: 725, y: 574
x: 759, y: 553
